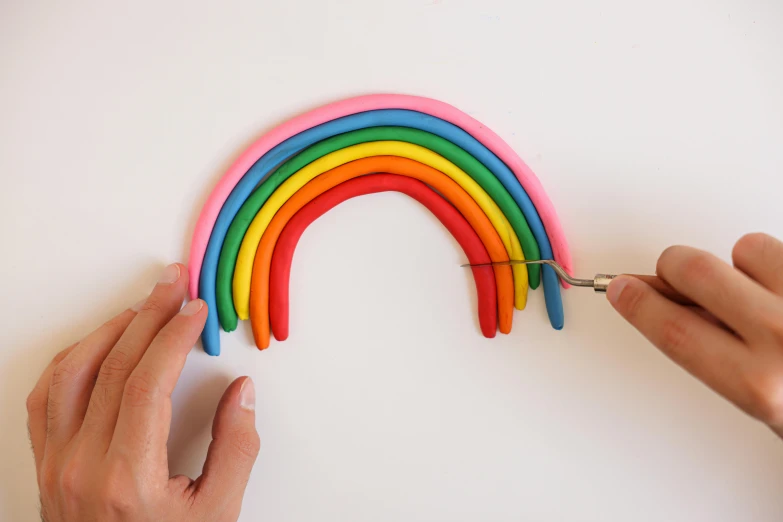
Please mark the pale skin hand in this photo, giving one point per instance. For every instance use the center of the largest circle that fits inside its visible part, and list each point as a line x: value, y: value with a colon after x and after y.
x: 100, y: 416
x: 734, y: 343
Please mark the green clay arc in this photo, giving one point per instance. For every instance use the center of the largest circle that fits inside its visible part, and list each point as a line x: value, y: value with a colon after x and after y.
x: 464, y: 160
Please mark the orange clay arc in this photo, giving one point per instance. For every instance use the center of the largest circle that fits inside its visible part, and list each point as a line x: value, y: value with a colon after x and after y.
x: 259, y: 284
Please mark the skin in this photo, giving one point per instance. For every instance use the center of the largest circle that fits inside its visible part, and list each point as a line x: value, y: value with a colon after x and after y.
x: 734, y: 342
x: 101, y: 412
x: 100, y: 416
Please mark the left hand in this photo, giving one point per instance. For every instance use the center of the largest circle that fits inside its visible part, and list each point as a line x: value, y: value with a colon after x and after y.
x: 100, y: 416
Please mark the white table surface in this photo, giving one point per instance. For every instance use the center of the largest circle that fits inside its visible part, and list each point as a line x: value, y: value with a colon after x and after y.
x: 649, y: 123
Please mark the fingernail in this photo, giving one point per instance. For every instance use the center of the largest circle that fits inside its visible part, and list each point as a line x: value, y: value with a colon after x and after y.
x: 192, y: 308
x: 137, y: 306
x: 170, y: 275
x: 616, y: 288
x: 247, y: 395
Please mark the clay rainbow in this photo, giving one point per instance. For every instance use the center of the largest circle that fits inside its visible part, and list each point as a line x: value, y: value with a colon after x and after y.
x: 473, y: 182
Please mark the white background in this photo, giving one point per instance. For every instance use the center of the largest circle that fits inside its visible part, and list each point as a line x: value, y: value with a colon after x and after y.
x: 649, y: 124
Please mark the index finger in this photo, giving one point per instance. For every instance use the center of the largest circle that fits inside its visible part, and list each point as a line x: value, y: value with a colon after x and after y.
x: 710, y: 353
x: 144, y: 419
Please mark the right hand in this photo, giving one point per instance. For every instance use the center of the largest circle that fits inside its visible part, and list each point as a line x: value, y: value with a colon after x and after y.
x: 734, y: 342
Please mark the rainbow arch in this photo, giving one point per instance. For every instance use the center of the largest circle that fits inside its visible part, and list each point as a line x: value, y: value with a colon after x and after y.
x: 363, y: 145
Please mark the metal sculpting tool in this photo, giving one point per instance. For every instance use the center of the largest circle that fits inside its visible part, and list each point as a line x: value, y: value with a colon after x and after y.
x: 600, y: 282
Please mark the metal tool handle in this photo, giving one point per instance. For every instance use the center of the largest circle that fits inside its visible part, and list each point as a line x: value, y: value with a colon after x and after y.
x: 601, y: 283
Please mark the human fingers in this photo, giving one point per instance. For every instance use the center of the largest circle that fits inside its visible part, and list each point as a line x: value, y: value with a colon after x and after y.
x: 232, y: 453
x: 710, y: 353
x: 760, y: 256
x: 731, y: 296
x: 161, y: 305
x: 37, y: 404
x: 72, y: 379
x: 144, y: 418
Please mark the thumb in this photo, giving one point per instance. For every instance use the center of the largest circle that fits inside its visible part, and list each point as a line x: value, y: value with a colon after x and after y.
x: 233, y: 451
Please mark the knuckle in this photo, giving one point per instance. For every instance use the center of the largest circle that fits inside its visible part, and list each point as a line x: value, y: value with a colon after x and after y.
x: 668, y: 258
x: 751, y: 243
x: 117, y: 491
x: 151, y: 306
x: 697, y: 267
x: 246, y: 442
x: 116, y: 366
x: 686, y: 264
x: 99, y: 407
x: 168, y: 337
x: 675, y: 338
x: 767, y: 397
x: 72, y: 480
x: 141, y: 388
x: 760, y: 253
x: 63, y: 372
x: 116, y: 324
